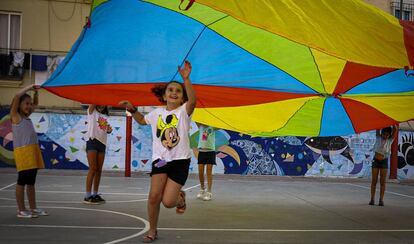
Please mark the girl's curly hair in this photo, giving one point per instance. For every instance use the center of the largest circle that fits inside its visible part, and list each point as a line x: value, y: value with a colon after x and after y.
x: 159, y: 91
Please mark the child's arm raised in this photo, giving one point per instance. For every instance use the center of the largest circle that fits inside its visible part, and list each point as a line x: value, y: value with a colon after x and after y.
x: 35, y: 97
x: 91, y: 108
x: 135, y: 114
x: 14, y: 109
x: 185, y: 74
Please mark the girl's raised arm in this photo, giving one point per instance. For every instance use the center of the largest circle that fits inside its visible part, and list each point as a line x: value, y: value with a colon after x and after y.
x: 14, y: 108
x: 185, y: 74
x: 91, y: 108
x: 135, y: 114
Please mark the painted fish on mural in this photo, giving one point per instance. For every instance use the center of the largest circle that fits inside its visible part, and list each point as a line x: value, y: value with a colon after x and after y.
x: 329, y: 146
x: 259, y: 162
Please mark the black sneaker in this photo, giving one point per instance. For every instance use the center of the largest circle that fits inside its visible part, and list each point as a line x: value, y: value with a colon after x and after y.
x: 90, y: 200
x: 99, y: 199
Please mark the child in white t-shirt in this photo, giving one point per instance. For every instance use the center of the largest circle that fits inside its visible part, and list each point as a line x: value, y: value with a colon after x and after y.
x: 98, y: 130
x: 171, y: 147
x: 382, y: 150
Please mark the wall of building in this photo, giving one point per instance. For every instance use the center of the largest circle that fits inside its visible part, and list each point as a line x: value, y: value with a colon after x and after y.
x: 381, y: 4
x: 46, y: 26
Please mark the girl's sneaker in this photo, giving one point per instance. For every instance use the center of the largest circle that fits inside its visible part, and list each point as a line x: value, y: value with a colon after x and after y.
x: 26, y: 214
x: 99, y: 199
x: 90, y: 200
x: 200, y: 195
x: 40, y: 212
x: 207, y: 196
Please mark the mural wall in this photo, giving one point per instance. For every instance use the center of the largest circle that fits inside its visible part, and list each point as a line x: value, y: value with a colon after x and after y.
x: 406, y: 155
x: 62, y: 141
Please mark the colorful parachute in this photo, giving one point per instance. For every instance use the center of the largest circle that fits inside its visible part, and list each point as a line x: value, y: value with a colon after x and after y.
x: 265, y: 68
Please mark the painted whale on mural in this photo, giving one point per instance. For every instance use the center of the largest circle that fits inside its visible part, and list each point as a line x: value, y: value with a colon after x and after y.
x: 259, y: 162
x: 329, y: 146
x: 406, y: 151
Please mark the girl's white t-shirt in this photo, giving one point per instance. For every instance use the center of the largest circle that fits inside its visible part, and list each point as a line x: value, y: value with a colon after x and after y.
x: 170, y: 140
x: 383, y: 146
x: 97, y: 126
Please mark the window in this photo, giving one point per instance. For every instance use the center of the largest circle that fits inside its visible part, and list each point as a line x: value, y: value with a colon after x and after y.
x: 407, y: 9
x: 406, y: 15
x: 10, y: 24
x: 11, y: 63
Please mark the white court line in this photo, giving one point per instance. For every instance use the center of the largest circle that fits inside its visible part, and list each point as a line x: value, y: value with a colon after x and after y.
x: 143, y: 230
x: 82, y: 192
x: 135, y: 188
x: 12, y: 184
x: 186, y: 189
x: 285, y: 230
x: 80, y: 201
x: 390, y: 192
x: 74, y: 227
x: 205, y: 229
x: 55, y: 185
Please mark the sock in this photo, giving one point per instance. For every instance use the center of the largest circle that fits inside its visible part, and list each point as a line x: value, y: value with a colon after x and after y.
x: 88, y: 194
x: 94, y: 193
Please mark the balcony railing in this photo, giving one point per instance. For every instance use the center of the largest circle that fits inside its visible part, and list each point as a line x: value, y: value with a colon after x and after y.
x: 13, y: 67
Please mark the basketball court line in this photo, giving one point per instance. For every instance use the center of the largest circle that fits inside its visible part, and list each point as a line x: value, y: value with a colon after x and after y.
x: 389, y: 192
x: 143, y: 230
x: 208, y: 229
x: 82, y: 192
x: 12, y: 184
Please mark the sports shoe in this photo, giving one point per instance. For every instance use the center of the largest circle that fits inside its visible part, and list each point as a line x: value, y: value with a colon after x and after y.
x: 381, y: 203
x: 90, y: 200
x: 207, y: 196
x: 99, y: 199
x: 40, y: 212
x: 371, y: 203
x: 26, y: 214
x: 200, y: 194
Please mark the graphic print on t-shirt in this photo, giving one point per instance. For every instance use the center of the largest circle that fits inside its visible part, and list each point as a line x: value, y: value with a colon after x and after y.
x: 206, y: 134
x: 102, y: 123
x: 167, y: 131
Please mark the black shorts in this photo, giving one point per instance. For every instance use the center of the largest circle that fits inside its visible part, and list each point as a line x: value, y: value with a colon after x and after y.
x: 95, y: 145
x: 207, y: 157
x: 27, y: 177
x: 176, y: 170
x: 380, y: 164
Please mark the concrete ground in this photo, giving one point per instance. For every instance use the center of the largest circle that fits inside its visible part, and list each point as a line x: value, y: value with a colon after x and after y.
x: 243, y: 210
